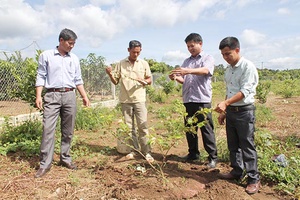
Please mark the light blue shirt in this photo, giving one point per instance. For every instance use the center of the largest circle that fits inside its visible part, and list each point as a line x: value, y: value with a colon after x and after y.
x: 197, y: 88
x: 243, y: 77
x: 57, y: 71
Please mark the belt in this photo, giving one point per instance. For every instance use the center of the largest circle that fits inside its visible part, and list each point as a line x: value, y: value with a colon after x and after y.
x: 240, y: 108
x: 63, y: 89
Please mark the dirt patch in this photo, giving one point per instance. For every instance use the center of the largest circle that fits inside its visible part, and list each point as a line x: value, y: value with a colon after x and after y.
x: 286, y: 112
x: 109, y: 176
x: 14, y: 108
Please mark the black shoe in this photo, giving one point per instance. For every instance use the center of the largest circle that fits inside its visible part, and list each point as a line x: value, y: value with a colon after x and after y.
x: 212, y: 164
x: 68, y: 165
x: 41, y: 172
x: 191, y: 157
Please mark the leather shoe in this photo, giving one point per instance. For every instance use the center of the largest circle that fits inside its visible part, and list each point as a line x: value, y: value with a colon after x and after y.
x: 253, y: 188
x: 41, y: 172
x: 191, y: 157
x: 68, y: 165
x: 228, y: 176
x: 212, y: 164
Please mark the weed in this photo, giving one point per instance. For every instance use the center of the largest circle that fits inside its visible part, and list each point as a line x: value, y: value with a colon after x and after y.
x: 263, y: 115
x: 24, y: 138
x: 287, y: 178
x: 74, y: 180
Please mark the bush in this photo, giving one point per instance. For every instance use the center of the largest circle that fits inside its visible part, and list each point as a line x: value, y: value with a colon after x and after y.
x: 89, y: 118
x: 262, y: 91
x: 286, y: 88
x: 156, y: 95
x: 167, y: 85
x: 25, y: 138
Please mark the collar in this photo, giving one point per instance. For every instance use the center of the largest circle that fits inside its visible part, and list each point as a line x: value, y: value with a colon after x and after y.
x: 56, y: 52
x: 198, y: 56
x: 127, y: 59
x: 238, y: 63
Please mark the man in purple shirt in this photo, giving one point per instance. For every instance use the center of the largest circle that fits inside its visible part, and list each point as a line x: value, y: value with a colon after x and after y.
x: 195, y: 75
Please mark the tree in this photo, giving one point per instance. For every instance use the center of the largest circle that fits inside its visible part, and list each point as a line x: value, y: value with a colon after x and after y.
x: 158, y: 66
x: 20, y: 76
x: 94, y: 75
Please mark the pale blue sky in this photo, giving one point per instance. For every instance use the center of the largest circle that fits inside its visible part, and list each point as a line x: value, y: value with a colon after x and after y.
x: 269, y: 30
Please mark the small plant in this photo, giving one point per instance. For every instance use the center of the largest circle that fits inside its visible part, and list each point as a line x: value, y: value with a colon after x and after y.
x: 223, y: 152
x: 156, y: 95
x: 287, y: 89
x: 168, y: 86
x: 287, y: 178
x: 263, y: 115
x: 24, y: 138
x: 172, y: 135
x: 262, y: 90
x: 74, y: 180
x: 89, y: 118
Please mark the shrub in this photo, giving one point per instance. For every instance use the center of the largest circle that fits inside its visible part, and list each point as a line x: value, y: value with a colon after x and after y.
x: 24, y: 138
x: 286, y: 89
x: 93, y: 118
x: 262, y: 91
x: 156, y: 95
x: 167, y: 85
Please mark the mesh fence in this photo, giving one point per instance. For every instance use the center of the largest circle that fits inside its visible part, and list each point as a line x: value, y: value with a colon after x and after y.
x: 17, y: 78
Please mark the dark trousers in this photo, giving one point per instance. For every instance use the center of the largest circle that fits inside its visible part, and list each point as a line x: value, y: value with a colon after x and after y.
x: 240, y: 138
x: 207, y: 131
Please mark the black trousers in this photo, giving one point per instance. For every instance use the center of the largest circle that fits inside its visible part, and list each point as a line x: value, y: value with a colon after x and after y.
x: 240, y: 138
x: 207, y: 131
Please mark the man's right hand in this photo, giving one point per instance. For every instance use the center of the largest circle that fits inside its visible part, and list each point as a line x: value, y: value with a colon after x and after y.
x: 39, y: 103
x: 221, y: 119
x: 108, y: 70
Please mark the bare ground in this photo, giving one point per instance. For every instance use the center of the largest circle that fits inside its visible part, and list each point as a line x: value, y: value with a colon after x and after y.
x: 109, y: 176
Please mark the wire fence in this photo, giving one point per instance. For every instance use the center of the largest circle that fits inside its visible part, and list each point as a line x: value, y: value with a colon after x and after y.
x: 19, y: 66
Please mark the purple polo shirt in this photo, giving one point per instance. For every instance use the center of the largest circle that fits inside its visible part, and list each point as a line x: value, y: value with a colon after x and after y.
x: 197, y: 88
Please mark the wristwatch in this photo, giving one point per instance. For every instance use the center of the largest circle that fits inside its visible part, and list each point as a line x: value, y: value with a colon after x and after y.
x: 145, y: 82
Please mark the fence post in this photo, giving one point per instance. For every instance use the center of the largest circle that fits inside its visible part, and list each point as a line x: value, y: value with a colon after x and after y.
x: 113, y: 91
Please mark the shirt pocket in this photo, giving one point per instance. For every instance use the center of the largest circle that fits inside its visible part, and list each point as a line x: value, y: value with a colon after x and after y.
x: 70, y: 66
x: 141, y: 72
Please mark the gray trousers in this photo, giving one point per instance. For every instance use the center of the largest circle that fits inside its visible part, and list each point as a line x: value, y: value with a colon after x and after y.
x: 240, y: 138
x: 56, y: 104
x: 137, y: 111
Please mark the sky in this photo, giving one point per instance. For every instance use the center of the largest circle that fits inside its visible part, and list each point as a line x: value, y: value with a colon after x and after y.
x: 268, y: 30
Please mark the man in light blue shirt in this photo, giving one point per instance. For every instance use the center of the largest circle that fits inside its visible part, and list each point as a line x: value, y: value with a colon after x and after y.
x: 238, y: 109
x: 59, y: 72
x: 195, y: 75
